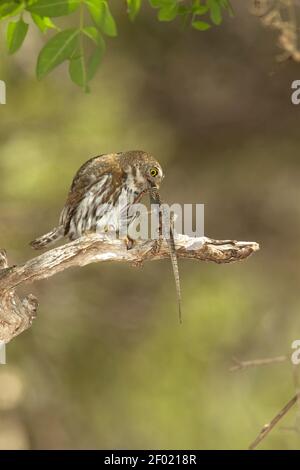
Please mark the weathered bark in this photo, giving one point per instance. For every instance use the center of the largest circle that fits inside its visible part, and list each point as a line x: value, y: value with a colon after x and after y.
x: 17, y: 315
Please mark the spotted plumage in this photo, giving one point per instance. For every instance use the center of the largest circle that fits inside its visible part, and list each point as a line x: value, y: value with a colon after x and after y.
x: 102, y: 191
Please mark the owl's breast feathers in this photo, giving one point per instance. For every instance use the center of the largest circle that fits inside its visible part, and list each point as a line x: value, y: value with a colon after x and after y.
x: 101, y: 191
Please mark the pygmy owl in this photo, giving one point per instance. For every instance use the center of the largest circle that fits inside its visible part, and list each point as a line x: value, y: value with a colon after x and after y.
x: 102, y: 191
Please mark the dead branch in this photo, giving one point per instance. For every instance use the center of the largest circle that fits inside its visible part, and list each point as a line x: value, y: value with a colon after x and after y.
x: 269, y: 426
x: 256, y: 362
x: 16, y: 315
x: 281, y: 16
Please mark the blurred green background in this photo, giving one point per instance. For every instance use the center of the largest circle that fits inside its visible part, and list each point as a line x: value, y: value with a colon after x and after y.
x: 106, y: 365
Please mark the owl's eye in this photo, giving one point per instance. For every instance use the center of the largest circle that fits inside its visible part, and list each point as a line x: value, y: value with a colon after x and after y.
x: 153, y: 172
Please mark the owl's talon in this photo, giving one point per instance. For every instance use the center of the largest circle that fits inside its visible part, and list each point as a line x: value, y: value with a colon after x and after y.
x: 156, y: 246
x: 129, y: 243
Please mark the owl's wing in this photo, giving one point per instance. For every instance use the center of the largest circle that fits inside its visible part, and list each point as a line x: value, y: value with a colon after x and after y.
x: 99, y: 175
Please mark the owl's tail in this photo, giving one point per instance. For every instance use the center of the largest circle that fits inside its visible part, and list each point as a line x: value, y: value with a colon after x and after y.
x: 48, y: 238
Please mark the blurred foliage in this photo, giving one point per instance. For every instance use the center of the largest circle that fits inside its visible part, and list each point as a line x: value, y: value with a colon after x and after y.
x: 105, y: 364
x: 70, y: 44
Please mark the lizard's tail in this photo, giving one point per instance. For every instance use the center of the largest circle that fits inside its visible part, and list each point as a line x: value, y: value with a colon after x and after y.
x: 155, y: 199
x: 48, y: 238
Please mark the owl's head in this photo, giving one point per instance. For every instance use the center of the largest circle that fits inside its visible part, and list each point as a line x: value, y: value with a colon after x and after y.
x: 145, y: 169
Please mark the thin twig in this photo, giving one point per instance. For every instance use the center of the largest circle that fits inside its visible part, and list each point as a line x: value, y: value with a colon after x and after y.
x: 269, y: 426
x: 256, y: 362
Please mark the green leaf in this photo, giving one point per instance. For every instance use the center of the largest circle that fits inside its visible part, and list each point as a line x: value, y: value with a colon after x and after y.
x: 16, y: 33
x: 57, y: 50
x: 227, y: 6
x: 199, y: 9
x: 168, y: 12
x: 94, y: 34
x: 184, y: 10
x: 102, y: 16
x: 77, y: 71
x: 201, y: 25
x: 9, y: 8
x: 53, y: 8
x: 133, y: 7
x: 82, y: 71
x: 168, y: 9
x: 43, y: 22
x: 94, y: 63
x: 162, y: 3
x: 156, y: 3
x: 215, y: 11
x: 98, y: 53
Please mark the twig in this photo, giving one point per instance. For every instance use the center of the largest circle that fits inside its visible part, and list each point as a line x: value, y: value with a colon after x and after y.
x: 296, y: 399
x: 296, y: 379
x: 16, y: 315
x: 256, y: 362
x: 268, y: 427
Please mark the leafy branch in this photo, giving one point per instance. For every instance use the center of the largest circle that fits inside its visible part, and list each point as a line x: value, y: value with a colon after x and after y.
x: 83, y: 45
